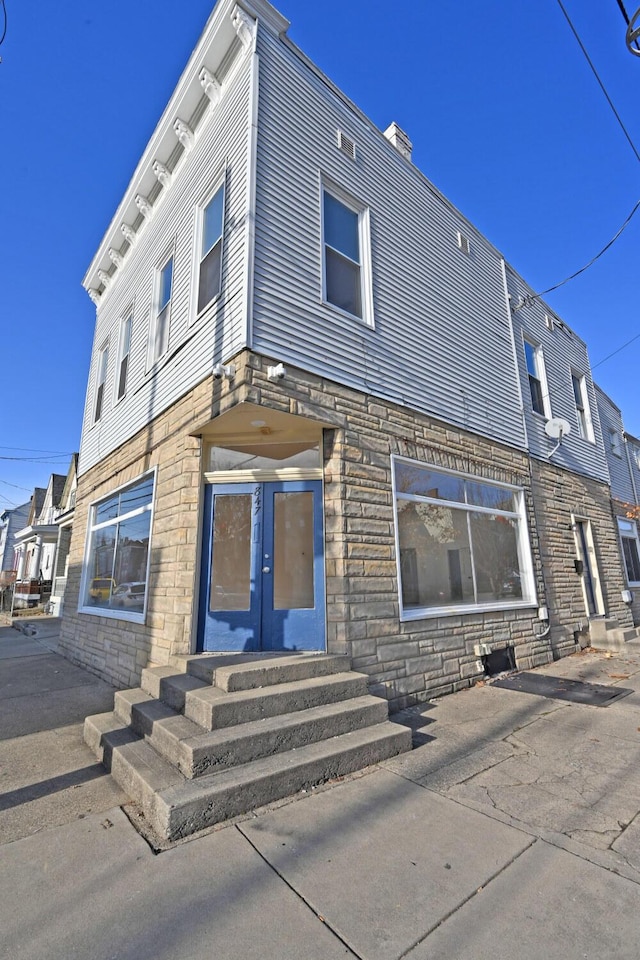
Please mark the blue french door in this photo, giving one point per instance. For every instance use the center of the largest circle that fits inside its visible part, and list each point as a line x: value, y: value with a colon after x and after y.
x: 262, y: 579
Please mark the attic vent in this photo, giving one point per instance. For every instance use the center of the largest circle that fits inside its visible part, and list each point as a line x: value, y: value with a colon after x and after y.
x: 463, y: 243
x: 346, y: 145
x: 548, y: 321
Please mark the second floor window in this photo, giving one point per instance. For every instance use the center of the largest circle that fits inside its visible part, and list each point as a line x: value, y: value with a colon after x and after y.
x: 160, y: 332
x: 210, y: 264
x: 535, y: 372
x: 125, y: 347
x: 103, y: 360
x: 582, y: 406
x: 342, y: 255
x: 614, y: 441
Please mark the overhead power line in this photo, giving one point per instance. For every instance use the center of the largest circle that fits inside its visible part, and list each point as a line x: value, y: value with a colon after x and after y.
x: 56, y: 453
x: 602, y: 86
x: 17, y: 486
x: 528, y: 300
x: 4, y: 19
x: 619, y: 350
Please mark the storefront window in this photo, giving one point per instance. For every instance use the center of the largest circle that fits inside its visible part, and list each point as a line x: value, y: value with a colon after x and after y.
x: 117, y: 561
x: 462, y: 542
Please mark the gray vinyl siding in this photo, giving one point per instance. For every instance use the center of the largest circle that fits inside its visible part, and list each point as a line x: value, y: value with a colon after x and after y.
x: 619, y: 467
x: 564, y: 354
x: 633, y: 450
x: 441, y: 332
x: 220, y: 150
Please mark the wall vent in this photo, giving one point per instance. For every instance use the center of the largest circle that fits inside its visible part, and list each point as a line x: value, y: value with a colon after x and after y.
x: 346, y: 145
x: 548, y: 322
x: 463, y: 243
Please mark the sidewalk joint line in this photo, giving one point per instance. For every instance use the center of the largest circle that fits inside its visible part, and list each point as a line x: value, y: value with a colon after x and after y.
x: 297, y: 893
x: 468, y: 899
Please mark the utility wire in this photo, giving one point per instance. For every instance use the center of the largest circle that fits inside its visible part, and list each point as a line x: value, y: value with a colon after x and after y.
x: 623, y: 347
x: 17, y: 486
x: 57, y: 462
x: 57, y: 453
x: 4, y: 29
x: 527, y: 301
x: 602, y: 86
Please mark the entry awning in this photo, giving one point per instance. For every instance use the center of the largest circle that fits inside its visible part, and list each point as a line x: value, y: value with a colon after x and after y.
x: 247, y: 425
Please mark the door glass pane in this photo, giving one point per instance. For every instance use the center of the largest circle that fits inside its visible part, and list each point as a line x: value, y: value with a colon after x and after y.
x: 293, y: 551
x: 231, y: 559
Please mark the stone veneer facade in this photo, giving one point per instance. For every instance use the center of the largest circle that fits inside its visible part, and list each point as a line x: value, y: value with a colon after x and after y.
x: 557, y: 495
x: 407, y: 662
x: 624, y: 510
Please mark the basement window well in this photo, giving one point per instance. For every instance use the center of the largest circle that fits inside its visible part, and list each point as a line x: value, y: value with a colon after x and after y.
x: 499, y: 661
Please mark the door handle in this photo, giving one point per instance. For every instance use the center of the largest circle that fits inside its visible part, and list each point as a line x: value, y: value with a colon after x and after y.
x: 266, y: 569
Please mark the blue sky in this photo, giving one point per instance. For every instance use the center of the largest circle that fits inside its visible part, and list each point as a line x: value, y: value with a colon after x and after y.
x: 504, y: 113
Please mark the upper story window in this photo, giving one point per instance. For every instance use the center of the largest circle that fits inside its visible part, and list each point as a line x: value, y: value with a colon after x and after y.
x: 629, y: 540
x: 162, y: 311
x: 585, y: 428
x: 537, y: 379
x: 210, y: 249
x: 103, y: 360
x: 125, y: 348
x: 345, y: 252
x: 614, y: 442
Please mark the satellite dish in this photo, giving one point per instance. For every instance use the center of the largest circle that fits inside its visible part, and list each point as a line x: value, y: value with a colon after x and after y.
x: 557, y: 427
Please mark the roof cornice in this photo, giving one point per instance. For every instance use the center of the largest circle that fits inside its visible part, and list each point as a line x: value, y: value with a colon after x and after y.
x: 229, y: 20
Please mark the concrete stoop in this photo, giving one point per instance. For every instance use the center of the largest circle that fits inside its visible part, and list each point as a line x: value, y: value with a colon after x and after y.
x: 218, y: 736
x: 605, y: 633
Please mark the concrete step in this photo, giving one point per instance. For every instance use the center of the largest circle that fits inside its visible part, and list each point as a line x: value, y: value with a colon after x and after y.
x: 196, y: 753
x: 103, y: 732
x: 169, y: 685
x: 212, y: 708
x: 125, y: 700
x: 248, y: 672
x: 614, y: 639
x: 176, y: 807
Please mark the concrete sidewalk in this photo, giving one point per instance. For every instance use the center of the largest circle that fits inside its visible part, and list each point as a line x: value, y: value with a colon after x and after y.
x: 511, y: 831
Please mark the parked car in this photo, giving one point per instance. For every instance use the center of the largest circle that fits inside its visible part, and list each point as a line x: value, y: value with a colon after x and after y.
x: 101, y: 588
x: 129, y: 595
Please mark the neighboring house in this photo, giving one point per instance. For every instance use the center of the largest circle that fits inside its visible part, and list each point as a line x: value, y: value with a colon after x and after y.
x: 623, y: 457
x: 319, y: 404
x: 36, y: 546
x: 10, y: 522
x: 64, y: 522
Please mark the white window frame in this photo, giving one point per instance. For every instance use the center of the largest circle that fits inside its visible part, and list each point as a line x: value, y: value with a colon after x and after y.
x: 583, y: 412
x: 198, y: 257
x: 364, y: 243
x: 615, y: 442
x: 157, y: 310
x: 628, y: 529
x: 540, y: 376
x: 92, y: 528
x: 127, y: 318
x: 523, y: 544
x: 102, y: 366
